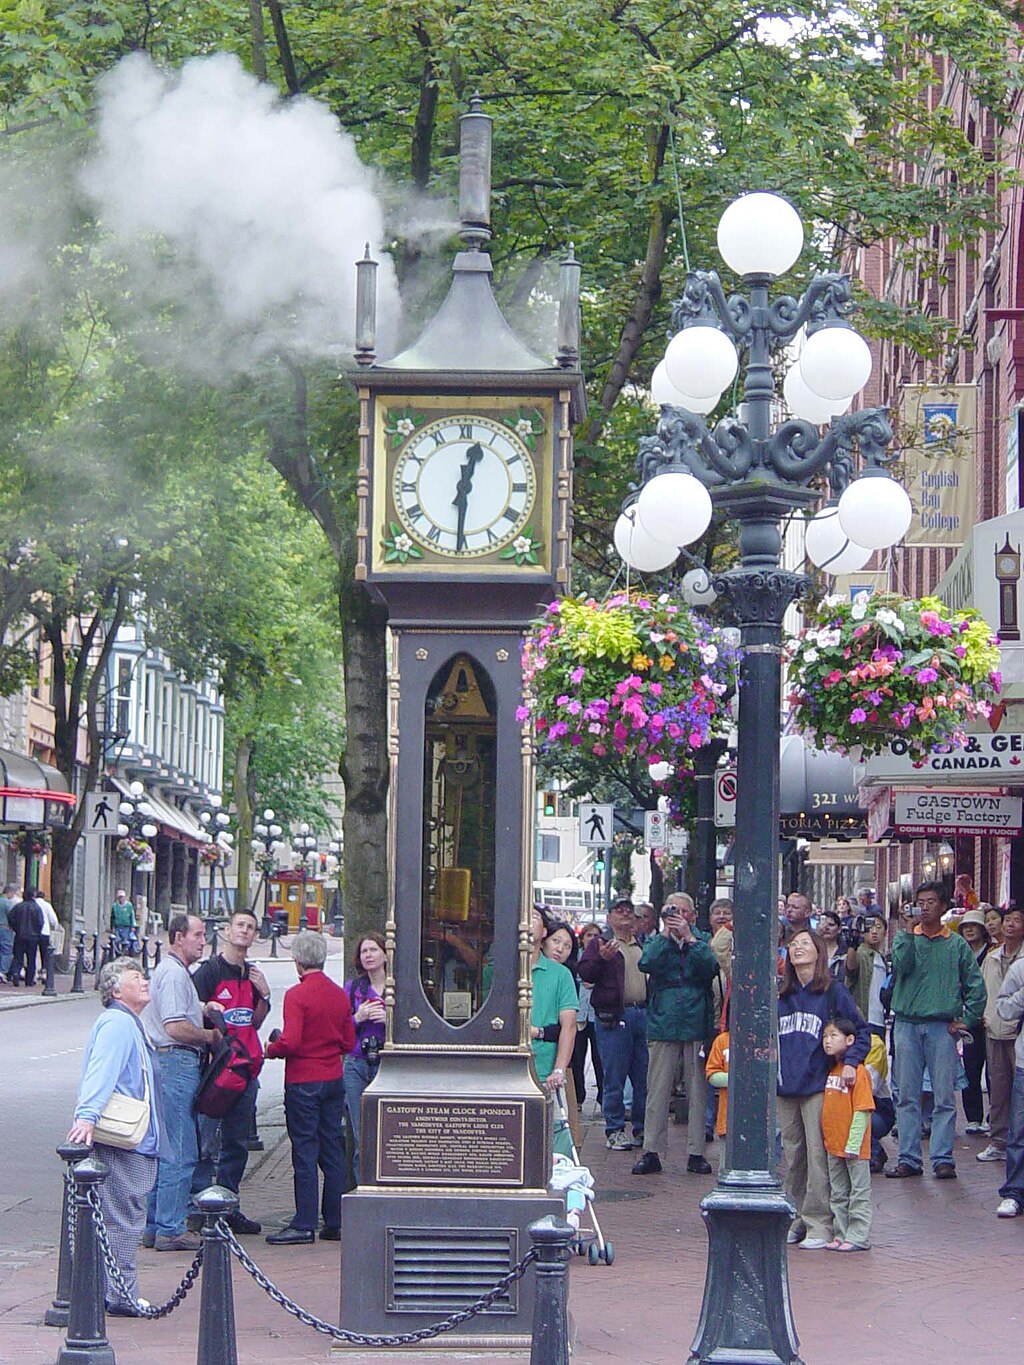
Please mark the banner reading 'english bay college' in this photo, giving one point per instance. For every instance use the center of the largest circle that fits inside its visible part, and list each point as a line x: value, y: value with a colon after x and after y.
x: 938, y: 436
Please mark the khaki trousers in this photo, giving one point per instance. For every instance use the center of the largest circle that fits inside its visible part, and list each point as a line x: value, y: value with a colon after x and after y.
x: 807, y: 1167
x: 1000, y: 1065
x: 663, y: 1063
x: 850, y: 1193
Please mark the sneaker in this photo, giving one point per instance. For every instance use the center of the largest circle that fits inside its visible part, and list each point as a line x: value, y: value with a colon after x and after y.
x: 813, y: 1244
x: 698, y: 1165
x: 976, y: 1129
x: 127, y: 1310
x: 649, y: 1164
x: 619, y: 1142
x: 794, y: 1236
x: 945, y: 1170
x: 991, y: 1153
x: 185, y: 1241
x: 148, y: 1240
x: 901, y: 1171
x: 1008, y: 1208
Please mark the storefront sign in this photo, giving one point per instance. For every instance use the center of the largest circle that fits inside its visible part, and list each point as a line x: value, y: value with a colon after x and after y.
x: 999, y: 756
x: 938, y: 431
x: 934, y: 814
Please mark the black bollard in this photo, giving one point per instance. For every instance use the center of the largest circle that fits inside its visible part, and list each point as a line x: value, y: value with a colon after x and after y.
x: 78, y: 984
x: 86, y: 1340
x: 57, y: 1314
x: 273, y: 941
x: 144, y: 953
x: 217, y: 1345
x: 49, y: 985
x: 552, y: 1238
x: 156, y: 956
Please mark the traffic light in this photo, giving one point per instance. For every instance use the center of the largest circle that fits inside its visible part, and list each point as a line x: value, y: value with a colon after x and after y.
x: 549, y: 803
x: 599, y: 862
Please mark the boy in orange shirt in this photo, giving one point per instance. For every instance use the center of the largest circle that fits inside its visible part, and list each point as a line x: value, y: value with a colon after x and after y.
x: 846, y: 1127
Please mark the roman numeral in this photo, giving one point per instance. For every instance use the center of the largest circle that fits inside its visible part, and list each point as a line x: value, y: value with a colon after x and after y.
x: 519, y: 488
x: 492, y: 539
x: 434, y: 534
x: 466, y: 431
x: 411, y: 487
x: 439, y: 438
x: 515, y: 458
x: 415, y: 511
x: 510, y: 514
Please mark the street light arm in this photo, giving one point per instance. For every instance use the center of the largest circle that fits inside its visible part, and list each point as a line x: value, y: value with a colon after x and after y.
x: 868, y: 431
x: 827, y: 299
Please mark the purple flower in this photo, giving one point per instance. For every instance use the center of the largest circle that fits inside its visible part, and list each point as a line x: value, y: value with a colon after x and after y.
x: 926, y: 675
x: 960, y: 651
x: 576, y: 676
x: 558, y: 730
x: 857, y: 715
x: 574, y: 707
x: 522, y: 713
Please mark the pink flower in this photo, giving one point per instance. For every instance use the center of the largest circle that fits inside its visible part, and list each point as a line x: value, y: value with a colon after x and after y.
x: 558, y: 730
x: 857, y: 715
x: 576, y: 676
x: 926, y: 675
x: 522, y: 713
x: 621, y: 733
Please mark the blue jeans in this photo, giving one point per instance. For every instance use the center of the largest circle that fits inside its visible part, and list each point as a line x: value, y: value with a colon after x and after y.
x: 313, y: 1112
x: 168, y: 1199
x: 6, y: 950
x: 124, y: 936
x: 224, y: 1144
x: 1013, y: 1186
x: 358, y: 1075
x: 918, y: 1046
x: 623, y: 1051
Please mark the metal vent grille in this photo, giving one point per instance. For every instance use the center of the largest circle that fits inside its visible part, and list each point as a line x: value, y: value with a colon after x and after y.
x: 439, y: 1270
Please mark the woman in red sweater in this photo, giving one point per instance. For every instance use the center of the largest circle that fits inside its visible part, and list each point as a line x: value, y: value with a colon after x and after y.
x: 318, y: 1031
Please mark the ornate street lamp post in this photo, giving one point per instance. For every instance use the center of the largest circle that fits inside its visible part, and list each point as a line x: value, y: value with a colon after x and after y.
x: 217, y: 852
x: 759, y: 477
x: 136, y: 828
x: 303, y: 853
x: 266, y: 843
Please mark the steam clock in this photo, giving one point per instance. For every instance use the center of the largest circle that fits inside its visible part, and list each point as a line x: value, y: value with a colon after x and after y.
x: 1008, y: 576
x: 464, y: 487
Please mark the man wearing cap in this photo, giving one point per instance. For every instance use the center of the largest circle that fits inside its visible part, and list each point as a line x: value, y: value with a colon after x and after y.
x: 611, y: 965
x: 937, y: 993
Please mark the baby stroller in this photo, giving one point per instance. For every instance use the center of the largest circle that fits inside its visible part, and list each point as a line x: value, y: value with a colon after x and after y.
x: 576, y: 1182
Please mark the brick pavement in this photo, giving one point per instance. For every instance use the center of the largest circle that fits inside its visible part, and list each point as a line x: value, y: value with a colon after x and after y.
x: 942, y: 1284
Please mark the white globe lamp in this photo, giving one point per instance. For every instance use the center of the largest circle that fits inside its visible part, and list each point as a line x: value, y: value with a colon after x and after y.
x: 760, y: 234
x: 674, y: 508
x: 666, y: 395
x: 806, y: 405
x: 639, y: 550
x: 701, y: 361
x: 875, y: 511
x: 829, y: 547
x: 660, y: 771
x: 697, y: 588
x: 835, y: 362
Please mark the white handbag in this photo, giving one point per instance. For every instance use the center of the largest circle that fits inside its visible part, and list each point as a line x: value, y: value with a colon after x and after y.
x: 124, y: 1121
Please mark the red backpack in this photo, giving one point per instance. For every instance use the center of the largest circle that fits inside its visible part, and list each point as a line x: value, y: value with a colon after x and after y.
x: 227, y: 1072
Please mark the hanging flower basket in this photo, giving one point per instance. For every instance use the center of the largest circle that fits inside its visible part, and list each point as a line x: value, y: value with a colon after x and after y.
x: 635, y: 676
x: 265, y: 863
x: 30, y: 843
x: 879, y: 667
x: 137, y: 851
x: 215, y: 855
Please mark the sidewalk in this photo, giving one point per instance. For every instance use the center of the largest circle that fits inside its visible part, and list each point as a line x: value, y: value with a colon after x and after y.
x: 939, y: 1284
x: 20, y: 997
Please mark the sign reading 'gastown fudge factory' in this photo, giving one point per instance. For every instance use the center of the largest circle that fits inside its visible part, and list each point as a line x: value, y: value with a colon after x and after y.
x: 937, y: 813
x: 999, y: 756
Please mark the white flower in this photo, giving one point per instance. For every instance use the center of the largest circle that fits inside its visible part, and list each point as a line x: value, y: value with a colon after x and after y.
x: 522, y: 545
x: 405, y: 426
x: 861, y: 598
x: 709, y: 653
x: 403, y: 544
x: 811, y: 656
x: 835, y: 600
x: 859, y: 610
x: 828, y: 639
x: 524, y: 427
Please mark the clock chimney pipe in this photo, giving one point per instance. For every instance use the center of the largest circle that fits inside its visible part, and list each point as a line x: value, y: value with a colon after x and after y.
x: 569, y: 312
x: 366, y: 309
x: 475, y: 175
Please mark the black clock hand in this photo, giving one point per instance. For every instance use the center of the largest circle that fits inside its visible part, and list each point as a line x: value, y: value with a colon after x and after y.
x: 474, y: 455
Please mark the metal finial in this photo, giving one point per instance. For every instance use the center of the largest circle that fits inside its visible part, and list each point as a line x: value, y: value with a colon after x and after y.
x: 475, y: 175
x: 366, y: 309
x: 569, y: 311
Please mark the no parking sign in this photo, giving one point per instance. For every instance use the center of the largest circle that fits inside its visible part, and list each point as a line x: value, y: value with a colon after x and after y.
x: 725, y: 796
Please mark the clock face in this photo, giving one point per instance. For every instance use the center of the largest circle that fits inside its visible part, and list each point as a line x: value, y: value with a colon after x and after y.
x: 464, y: 486
x: 1007, y: 566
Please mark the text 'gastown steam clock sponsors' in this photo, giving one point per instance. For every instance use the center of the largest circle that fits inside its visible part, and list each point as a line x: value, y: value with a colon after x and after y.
x: 937, y: 813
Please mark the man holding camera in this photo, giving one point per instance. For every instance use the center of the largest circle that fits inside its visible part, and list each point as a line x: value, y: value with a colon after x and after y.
x: 866, y: 969
x: 938, y: 992
x: 680, y: 968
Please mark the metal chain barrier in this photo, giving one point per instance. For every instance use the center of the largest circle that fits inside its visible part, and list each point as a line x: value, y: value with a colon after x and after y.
x: 118, y: 1280
x: 69, y: 1196
x: 361, y: 1339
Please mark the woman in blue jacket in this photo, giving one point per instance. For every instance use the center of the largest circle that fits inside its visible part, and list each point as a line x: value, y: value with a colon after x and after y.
x: 808, y: 999
x: 118, y: 1057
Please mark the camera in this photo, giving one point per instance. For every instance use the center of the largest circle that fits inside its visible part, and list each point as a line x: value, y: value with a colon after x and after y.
x: 853, y: 935
x: 370, y: 1048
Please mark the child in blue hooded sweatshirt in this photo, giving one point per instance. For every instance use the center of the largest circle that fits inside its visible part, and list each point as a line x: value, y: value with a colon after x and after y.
x: 808, y: 998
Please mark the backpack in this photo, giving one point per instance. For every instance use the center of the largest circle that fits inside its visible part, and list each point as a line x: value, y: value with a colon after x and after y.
x: 224, y: 1079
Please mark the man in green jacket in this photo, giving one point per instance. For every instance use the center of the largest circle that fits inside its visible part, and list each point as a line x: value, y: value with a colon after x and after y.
x: 680, y: 968
x: 938, y: 991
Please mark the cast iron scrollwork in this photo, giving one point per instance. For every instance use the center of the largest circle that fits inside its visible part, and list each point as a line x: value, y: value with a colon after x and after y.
x: 760, y: 597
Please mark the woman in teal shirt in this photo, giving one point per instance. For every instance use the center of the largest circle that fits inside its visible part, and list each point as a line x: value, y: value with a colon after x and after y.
x: 554, y: 1003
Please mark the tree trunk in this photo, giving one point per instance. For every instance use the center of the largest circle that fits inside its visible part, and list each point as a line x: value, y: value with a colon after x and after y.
x: 364, y: 764
x: 243, y: 840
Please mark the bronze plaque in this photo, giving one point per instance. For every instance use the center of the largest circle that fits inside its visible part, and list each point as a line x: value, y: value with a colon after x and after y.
x: 450, y: 1142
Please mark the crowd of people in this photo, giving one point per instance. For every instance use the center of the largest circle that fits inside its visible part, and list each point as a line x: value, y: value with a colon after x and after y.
x: 873, y: 1036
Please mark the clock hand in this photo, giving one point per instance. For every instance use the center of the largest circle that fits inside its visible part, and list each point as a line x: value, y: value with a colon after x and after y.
x: 474, y: 455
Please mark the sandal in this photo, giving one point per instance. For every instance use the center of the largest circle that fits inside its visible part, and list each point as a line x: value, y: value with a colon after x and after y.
x: 835, y: 1244
x: 848, y: 1246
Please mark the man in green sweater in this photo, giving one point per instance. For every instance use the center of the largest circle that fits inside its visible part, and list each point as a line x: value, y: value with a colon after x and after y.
x: 937, y: 992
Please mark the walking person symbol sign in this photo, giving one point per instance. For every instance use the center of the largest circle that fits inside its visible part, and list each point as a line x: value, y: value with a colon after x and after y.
x: 596, y: 823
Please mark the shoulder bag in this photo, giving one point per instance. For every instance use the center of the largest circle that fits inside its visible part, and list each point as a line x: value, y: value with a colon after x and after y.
x: 124, y: 1121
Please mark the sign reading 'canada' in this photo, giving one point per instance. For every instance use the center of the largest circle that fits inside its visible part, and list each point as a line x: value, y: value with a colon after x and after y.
x: 1000, y: 754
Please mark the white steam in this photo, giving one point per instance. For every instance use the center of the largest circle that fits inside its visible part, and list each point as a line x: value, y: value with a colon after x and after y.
x: 237, y: 217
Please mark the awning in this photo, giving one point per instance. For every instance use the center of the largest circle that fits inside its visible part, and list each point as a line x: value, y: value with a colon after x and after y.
x: 27, y: 787
x: 169, y: 819
x: 818, y: 793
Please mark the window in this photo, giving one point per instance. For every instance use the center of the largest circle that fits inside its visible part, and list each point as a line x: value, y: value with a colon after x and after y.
x: 548, y: 848
x: 123, y: 697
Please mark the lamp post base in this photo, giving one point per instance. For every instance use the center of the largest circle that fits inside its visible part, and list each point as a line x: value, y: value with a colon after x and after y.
x: 746, y: 1317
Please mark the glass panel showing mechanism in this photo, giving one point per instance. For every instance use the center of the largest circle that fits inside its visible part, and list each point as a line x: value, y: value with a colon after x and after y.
x: 458, y: 840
